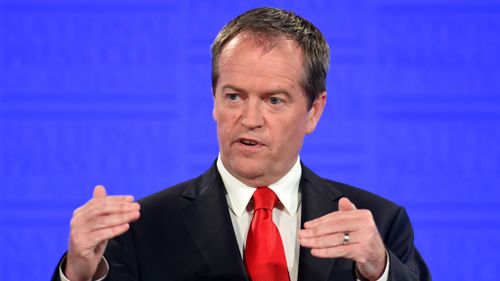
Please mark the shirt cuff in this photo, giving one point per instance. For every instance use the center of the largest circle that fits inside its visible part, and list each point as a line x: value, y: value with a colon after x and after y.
x: 385, y: 275
x: 63, y: 278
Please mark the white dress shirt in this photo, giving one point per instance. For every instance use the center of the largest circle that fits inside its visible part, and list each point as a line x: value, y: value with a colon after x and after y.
x: 286, y: 215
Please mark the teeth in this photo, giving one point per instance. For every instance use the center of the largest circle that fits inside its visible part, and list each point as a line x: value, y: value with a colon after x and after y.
x: 249, y: 142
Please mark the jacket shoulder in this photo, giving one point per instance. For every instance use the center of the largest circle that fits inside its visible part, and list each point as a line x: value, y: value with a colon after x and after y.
x: 175, y: 197
x: 361, y: 197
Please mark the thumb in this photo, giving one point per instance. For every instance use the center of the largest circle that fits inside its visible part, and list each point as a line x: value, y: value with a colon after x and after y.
x: 99, y: 191
x: 346, y: 205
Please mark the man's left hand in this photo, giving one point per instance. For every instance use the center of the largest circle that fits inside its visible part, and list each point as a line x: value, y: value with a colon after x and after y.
x: 326, y: 238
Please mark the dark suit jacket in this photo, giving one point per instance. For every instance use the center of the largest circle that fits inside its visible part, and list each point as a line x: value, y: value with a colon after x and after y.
x: 185, y: 233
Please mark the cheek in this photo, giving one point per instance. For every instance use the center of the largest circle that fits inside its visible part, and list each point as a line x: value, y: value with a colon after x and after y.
x: 226, y: 122
x: 298, y: 132
x: 230, y: 118
x: 288, y: 131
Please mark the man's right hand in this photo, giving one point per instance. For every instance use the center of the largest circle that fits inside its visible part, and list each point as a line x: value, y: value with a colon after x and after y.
x: 100, y: 219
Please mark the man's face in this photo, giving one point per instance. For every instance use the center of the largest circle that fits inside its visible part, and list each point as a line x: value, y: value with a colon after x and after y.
x: 261, y: 109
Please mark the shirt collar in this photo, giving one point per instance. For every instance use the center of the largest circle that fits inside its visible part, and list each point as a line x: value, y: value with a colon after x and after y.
x: 286, y: 188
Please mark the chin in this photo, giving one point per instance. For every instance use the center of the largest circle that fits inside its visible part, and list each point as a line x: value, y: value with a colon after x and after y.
x: 248, y: 172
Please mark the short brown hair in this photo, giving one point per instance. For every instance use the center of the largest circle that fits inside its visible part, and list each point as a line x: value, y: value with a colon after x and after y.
x: 273, y: 23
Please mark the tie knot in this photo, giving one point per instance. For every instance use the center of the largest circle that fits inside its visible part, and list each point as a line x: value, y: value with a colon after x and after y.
x: 264, y: 198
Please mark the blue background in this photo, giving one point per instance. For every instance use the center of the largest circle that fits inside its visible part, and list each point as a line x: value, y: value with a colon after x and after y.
x: 118, y: 93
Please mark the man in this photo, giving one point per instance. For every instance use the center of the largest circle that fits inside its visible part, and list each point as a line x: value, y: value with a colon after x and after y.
x: 258, y: 213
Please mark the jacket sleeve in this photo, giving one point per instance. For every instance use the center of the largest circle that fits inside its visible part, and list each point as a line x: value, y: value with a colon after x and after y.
x: 405, y: 260
x: 121, y: 259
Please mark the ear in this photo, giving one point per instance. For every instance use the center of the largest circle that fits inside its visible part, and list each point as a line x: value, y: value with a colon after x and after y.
x: 214, y: 116
x: 315, y: 112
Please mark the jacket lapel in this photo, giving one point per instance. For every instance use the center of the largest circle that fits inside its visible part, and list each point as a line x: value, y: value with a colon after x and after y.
x: 318, y: 199
x: 206, y: 216
x: 207, y: 219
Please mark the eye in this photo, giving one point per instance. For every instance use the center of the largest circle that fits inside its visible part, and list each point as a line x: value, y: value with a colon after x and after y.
x: 275, y: 100
x: 232, y: 96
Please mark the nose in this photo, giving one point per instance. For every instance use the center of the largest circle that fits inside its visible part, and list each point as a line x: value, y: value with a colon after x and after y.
x: 252, y: 116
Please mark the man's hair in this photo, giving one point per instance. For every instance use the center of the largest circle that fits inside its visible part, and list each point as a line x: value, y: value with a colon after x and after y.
x: 275, y: 23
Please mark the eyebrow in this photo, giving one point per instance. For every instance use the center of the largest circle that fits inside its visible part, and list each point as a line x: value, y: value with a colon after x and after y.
x: 234, y: 88
x: 267, y: 93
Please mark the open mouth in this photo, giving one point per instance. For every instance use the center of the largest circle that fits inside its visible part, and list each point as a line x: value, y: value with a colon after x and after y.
x: 248, y: 142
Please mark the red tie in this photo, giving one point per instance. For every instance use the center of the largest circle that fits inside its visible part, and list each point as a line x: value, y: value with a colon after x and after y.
x: 264, y: 254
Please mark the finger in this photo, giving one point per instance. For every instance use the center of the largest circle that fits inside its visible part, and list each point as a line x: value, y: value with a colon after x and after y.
x: 107, y: 205
x: 344, y: 251
x: 113, y: 220
x: 110, y: 208
x: 85, y: 232
x: 125, y: 199
x: 337, y: 226
x: 317, y: 221
x: 327, y: 241
x: 346, y: 205
x: 99, y: 192
x: 114, y: 198
x: 107, y: 233
x: 340, y: 219
x: 91, y: 221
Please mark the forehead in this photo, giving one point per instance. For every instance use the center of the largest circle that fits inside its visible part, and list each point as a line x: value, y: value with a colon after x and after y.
x: 262, y: 42
x: 252, y: 57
